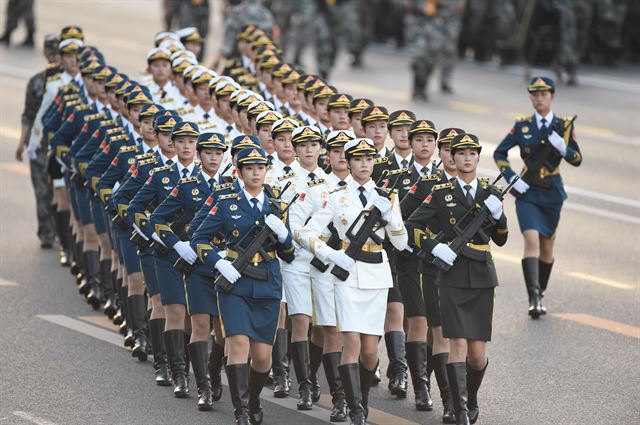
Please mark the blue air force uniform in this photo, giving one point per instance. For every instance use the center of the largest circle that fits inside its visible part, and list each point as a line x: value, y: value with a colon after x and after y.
x: 252, y: 306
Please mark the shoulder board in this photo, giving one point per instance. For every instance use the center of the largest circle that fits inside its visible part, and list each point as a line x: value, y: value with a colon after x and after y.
x: 381, y: 160
x: 81, y: 108
x: 338, y: 189
x: 430, y: 177
x: 399, y: 171
x: 443, y: 186
x: 190, y: 179
x: 107, y: 123
x: 114, y: 130
x: 119, y: 137
x: 73, y: 102
x: 145, y: 156
x: 223, y: 186
x: 287, y: 176
x: 148, y: 161
x: 94, y: 117
x: 315, y: 182
x: 524, y: 118
x: 128, y: 148
x: 53, y: 78
x: 70, y: 97
x: 229, y: 196
x: 163, y: 168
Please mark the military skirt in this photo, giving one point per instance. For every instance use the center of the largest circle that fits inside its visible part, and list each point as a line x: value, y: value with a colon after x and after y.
x: 466, y: 312
x: 536, y: 214
x: 431, y: 298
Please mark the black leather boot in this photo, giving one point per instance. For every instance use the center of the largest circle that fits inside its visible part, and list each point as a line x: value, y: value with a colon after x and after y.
x: 76, y: 268
x: 300, y: 357
x: 315, y: 360
x: 330, y: 362
x: 531, y: 279
x: 544, y: 270
x: 417, y: 360
x: 61, y: 221
x: 215, y: 367
x: 91, y: 285
x: 440, y: 370
x: 397, y: 370
x: 429, y: 366
x: 137, y: 309
x: 350, y: 377
x: 160, y: 360
x: 198, y: 351
x: 474, y: 380
x: 174, y: 339
x: 366, y: 376
x: 108, y: 288
x: 256, y: 383
x: 457, y: 374
x: 238, y: 375
x: 280, y: 364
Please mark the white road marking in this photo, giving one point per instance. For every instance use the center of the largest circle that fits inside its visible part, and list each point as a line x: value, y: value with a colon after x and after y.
x: 319, y: 413
x: 33, y: 419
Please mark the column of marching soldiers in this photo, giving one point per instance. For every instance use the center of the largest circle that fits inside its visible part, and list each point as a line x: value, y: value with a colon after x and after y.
x: 174, y: 180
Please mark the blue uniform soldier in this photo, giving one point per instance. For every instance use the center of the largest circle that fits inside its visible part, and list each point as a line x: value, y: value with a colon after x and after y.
x: 250, y: 309
x: 544, y: 140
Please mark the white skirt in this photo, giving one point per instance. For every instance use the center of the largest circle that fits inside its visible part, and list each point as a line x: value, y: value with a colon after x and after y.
x: 324, y: 300
x: 361, y: 310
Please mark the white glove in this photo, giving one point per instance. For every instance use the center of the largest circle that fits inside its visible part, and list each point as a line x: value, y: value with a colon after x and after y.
x: 443, y: 252
x: 63, y: 166
x: 384, y: 205
x: 138, y: 231
x: 32, y: 151
x: 278, y: 227
x: 494, y: 205
x: 342, y: 260
x: 156, y: 238
x: 520, y: 186
x: 184, y: 250
x: 227, y: 270
x: 558, y: 143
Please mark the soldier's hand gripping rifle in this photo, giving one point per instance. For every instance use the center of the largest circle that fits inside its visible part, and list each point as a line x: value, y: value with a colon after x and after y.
x: 541, y: 157
x: 252, y: 243
x: 473, y: 223
x: 371, y: 220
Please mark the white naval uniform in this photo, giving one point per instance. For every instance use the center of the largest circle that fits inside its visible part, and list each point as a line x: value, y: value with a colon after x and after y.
x: 296, y: 278
x: 361, y: 300
x: 207, y: 121
x: 322, y: 288
x: 168, y: 96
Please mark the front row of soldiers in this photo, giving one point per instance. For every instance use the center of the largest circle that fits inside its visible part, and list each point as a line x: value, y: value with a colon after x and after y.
x: 214, y: 212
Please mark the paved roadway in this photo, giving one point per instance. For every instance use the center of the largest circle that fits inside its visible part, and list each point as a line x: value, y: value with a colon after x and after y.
x: 60, y: 364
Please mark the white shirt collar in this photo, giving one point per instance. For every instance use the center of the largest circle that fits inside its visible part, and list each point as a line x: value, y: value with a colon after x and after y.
x: 260, y: 198
x: 419, y: 167
x: 145, y: 147
x: 189, y: 167
x: 164, y: 159
x: 399, y: 158
x: 548, y: 117
x: 368, y: 187
x: 474, y: 186
x: 447, y: 175
x: 206, y: 176
x: 384, y: 151
x: 334, y: 180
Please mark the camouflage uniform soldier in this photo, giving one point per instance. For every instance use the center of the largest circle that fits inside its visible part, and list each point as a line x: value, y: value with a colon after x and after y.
x: 245, y: 13
x: 16, y: 10
x: 38, y: 157
x: 434, y: 27
x: 195, y: 13
x: 568, y: 52
x: 318, y: 16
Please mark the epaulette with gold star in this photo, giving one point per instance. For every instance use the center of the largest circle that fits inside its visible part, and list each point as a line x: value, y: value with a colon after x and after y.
x: 163, y: 168
x: 190, y: 179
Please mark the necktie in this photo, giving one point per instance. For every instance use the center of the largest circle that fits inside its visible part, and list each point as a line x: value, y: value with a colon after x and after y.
x: 212, y: 183
x: 362, y: 196
x: 287, y: 169
x: 169, y: 162
x: 404, y: 163
x: 467, y: 187
x: 270, y: 159
x: 543, y: 129
x: 139, y: 140
x: 163, y: 94
x: 206, y: 116
x: 424, y: 171
x: 255, y: 210
x: 342, y: 183
x: 185, y: 173
x: 311, y: 176
x: 229, y: 128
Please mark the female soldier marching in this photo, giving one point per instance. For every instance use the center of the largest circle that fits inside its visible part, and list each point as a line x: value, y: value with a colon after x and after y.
x: 250, y: 309
x: 360, y: 299
x: 467, y: 289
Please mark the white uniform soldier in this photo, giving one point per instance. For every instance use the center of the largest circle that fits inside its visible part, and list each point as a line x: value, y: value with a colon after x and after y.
x: 310, y: 180
x: 203, y: 114
x: 361, y: 298
x: 163, y: 91
x: 280, y: 172
x: 323, y: 293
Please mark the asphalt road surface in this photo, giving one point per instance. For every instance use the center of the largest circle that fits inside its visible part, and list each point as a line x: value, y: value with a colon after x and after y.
x: 61, y: 363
